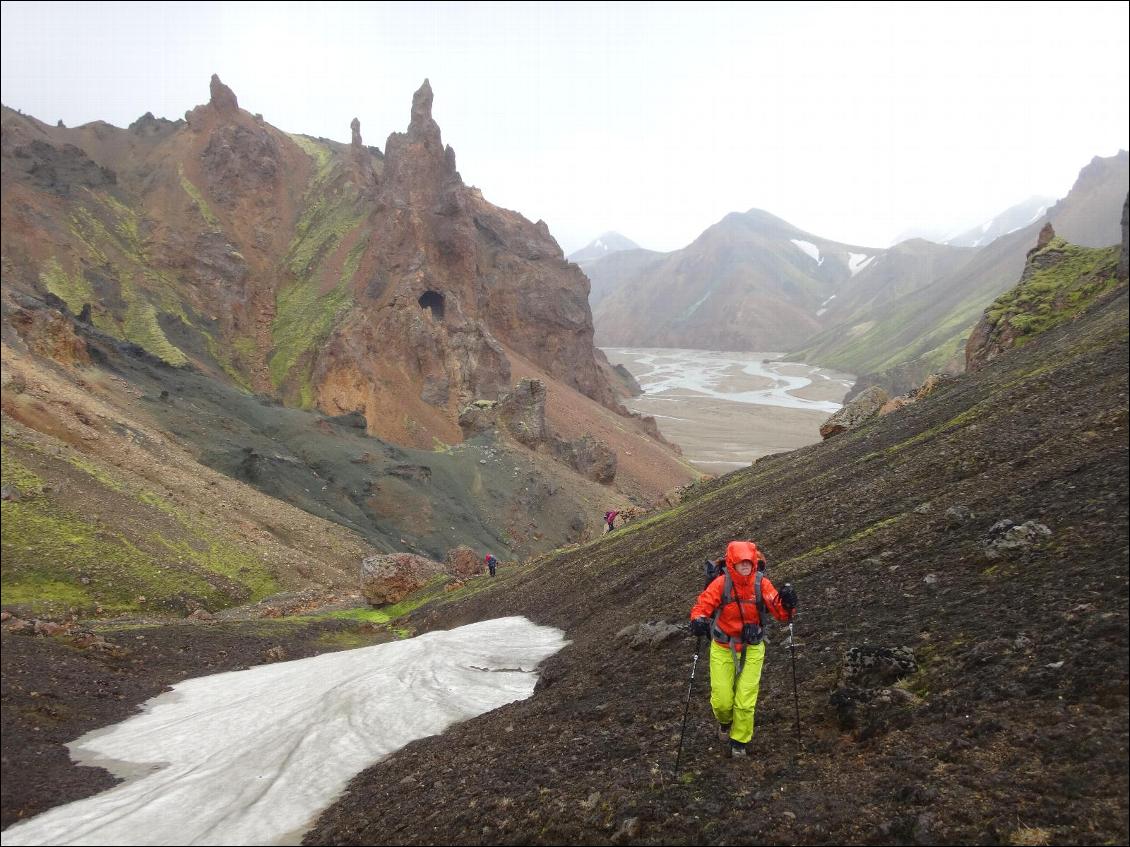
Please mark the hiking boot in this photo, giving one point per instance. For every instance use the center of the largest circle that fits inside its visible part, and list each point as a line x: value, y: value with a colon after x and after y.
x: 724, y: 731
x: 738, y: 750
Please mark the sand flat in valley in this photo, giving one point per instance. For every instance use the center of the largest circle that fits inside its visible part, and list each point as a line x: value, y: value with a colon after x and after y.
x: 727, y: 409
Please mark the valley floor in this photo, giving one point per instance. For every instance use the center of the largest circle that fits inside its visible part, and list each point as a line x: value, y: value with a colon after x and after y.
x: 726, y: 410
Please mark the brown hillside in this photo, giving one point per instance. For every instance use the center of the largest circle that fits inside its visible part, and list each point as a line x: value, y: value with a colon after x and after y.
x: 1013, y: 729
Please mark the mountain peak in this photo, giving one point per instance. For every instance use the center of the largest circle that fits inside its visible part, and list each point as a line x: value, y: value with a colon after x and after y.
x: 601, y: 246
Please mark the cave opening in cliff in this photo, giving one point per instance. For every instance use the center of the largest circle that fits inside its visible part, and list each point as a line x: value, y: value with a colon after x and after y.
x: 433, y: 301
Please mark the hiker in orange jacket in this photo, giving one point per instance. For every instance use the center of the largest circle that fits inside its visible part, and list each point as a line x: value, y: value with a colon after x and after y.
x: 732, y: 611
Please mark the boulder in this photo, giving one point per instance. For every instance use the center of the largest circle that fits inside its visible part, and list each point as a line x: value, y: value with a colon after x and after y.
x: 275, y: 654
x: 650, y: 634
x: 858, y: 411
x: 588, y: 456
x: 934, y: 382
x: 1006, y: 535
x: 867, y: 666
x: 522, y: 412
x: 957, y: 515
x: 895, y: 404
x: 867, y: 712
x: 462, y: 562
x: 480, y: 416
x: 390, y: 577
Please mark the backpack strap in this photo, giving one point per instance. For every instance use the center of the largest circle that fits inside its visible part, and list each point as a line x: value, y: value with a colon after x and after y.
x: 727, y: 597
x: 759, y: 599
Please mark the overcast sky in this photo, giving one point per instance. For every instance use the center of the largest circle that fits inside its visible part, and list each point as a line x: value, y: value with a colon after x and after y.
x: 852, y: 121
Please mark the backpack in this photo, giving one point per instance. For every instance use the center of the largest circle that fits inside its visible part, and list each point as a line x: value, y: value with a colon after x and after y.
x: 712, y: 569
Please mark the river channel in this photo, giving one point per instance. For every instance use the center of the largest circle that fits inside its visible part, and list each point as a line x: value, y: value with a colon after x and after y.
x: 726, y: 410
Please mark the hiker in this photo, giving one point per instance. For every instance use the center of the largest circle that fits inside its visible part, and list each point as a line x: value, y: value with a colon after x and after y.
x: 610, y: 521
x: 491, y: 563
x: 731, y: 610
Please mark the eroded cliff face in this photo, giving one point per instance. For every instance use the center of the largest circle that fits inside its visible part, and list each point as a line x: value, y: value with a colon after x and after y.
x: 331, y: 275
x: 451, y: 282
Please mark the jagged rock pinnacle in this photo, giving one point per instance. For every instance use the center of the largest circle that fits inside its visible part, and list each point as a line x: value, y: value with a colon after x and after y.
x: 223, y: 98
x: 422, y: 126
x: 422, y: 103
x: 355, y: 126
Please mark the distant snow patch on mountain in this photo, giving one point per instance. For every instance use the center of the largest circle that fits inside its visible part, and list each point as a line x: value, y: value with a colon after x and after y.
x: 811, y: 249
x: 601, y: 246
x: 858, y: 261
x: 824, y: 306
x: 1039, y: 214
x: 694, y: 308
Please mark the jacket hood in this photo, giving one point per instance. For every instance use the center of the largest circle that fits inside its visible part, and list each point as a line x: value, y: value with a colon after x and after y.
x: 738, y: 551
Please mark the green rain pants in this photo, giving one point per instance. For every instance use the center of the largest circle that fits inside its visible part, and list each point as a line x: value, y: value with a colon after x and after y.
x: 735, y: 707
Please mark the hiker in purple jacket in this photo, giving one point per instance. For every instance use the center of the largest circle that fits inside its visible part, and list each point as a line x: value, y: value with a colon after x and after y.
x: 610, y: 521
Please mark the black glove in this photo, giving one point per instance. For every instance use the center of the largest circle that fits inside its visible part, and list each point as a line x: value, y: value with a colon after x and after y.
x: 788, y: 598
x: 751, y: 634
x: 700, y: 626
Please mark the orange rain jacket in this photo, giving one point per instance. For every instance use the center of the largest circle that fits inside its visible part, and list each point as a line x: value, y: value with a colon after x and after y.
x: 730, y: 620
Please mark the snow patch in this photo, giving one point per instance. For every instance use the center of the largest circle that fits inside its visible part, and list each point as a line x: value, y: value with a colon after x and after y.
x: 810, y: 249
x: 252, y: 757
x: 858, y: 261
x: 694, y: 308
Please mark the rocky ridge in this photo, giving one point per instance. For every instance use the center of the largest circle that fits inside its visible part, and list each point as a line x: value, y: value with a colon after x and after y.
x: 334, y: 276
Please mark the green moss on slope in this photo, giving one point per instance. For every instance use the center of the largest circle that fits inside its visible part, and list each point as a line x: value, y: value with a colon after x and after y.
x: 1060, y: 282
x: 133, y: 552
x: 198, y: 199
x: 141, y: 327
x: 73, y: 290
x: 305, y: 313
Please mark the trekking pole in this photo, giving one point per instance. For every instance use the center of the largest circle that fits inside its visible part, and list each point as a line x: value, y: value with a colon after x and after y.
x: 686, y: 708
x: 796, y: 698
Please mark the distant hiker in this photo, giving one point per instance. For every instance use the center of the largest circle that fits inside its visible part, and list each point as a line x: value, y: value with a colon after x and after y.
x: 610, y: 521
x: 731, y: 610
x: 491, y: 563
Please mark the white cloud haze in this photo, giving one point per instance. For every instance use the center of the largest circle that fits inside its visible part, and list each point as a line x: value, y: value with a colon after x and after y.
x: 852, y: 121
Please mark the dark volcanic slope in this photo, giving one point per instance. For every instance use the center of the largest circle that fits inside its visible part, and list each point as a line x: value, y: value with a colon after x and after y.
x: 1019, y: 730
